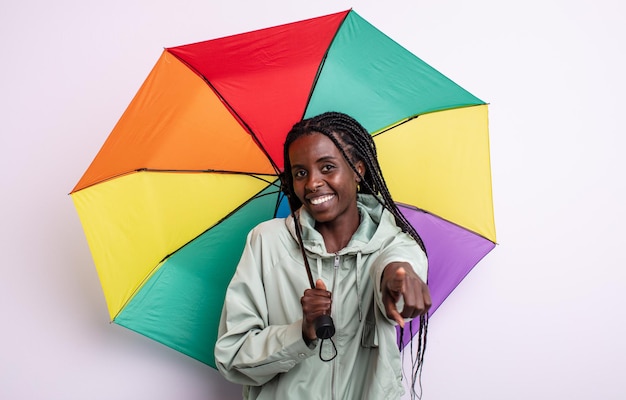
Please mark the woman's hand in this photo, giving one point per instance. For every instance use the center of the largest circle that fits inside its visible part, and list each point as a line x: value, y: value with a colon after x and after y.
x: 400, y: 280
x: 315, y: 302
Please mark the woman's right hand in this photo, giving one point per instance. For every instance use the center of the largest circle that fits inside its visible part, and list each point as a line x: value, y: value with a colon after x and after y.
x: 315, y: 303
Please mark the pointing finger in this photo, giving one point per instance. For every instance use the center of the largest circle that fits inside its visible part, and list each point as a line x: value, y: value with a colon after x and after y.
x: 397, y: 317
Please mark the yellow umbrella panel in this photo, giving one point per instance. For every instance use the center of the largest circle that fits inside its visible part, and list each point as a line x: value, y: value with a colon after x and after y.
x: 439, y: 162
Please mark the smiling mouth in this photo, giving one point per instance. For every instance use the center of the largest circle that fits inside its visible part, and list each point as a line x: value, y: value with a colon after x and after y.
x: 322, y: 199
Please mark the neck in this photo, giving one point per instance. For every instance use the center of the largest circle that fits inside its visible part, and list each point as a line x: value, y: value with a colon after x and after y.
x: 337, y: 234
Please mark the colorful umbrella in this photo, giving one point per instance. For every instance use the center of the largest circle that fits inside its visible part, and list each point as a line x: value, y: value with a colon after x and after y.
x: 192, y: 165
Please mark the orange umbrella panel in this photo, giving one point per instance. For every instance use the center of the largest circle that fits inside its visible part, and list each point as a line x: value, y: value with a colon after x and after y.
x: 194, y: 131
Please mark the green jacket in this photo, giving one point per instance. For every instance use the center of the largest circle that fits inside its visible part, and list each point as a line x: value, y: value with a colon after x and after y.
x: 260, y: 341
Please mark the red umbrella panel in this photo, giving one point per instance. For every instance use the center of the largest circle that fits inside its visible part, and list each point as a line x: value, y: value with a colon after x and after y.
x: 192, y: 165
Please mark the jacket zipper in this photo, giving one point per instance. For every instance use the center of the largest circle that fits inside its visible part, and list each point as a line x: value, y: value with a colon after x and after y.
x: 333, y: 312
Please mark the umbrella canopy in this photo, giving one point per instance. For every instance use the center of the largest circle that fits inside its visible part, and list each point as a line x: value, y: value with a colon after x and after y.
x: 192, y: 165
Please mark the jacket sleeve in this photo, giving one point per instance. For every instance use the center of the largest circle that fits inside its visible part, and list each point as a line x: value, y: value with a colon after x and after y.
x: 401, y: 248
x: 248, y: 350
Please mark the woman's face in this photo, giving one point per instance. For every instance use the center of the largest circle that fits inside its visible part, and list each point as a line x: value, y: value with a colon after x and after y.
x: 323, y: 180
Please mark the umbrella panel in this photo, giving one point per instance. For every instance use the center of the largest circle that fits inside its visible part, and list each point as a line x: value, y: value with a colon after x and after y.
x: 439, y: 162
x: 372, y: 78
x: 193, y: 131
x: 452, y: 253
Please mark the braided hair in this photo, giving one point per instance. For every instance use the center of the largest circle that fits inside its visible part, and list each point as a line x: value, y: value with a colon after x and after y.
x: 356, y: 144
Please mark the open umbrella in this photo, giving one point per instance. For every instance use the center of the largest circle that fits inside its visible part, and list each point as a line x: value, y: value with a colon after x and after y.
x: 192, y: 165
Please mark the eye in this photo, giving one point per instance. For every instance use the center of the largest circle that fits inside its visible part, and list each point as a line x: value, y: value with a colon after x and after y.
x: 327, y: 167
x: 297, y: 174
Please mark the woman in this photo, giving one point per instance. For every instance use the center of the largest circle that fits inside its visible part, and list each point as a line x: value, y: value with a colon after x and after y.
x: 369, y: 276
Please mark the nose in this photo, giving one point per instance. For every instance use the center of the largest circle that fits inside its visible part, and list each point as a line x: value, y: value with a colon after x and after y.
x: 313, y: 183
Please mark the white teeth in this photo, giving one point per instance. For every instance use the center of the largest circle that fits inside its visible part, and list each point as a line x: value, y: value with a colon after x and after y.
x: 321, y: 199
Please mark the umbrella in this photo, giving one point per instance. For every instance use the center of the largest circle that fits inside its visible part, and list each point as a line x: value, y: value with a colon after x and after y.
x: 192, y: 165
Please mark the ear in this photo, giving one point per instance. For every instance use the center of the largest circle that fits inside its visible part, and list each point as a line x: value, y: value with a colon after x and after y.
x: 360, y: 167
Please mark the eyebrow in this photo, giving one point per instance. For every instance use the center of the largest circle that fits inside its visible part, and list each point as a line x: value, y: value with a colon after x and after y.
x: 319, y: 160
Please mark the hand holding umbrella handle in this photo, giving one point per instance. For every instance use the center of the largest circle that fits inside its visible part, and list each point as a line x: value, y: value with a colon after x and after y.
x: 324, y: 326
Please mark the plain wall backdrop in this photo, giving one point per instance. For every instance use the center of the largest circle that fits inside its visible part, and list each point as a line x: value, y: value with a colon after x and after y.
x: 541, y: 317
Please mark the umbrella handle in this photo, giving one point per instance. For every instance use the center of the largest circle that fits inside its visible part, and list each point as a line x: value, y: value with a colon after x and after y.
x: 324, y: 326
x: 301, y: 245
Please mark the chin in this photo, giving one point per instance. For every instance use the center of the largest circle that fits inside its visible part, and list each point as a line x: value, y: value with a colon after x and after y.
x: 314, y: 213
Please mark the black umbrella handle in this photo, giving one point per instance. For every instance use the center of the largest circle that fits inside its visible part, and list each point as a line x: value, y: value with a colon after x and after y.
x: 324, y: 327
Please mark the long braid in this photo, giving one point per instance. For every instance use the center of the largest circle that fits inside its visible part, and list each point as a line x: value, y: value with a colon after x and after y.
x: 355, y: 143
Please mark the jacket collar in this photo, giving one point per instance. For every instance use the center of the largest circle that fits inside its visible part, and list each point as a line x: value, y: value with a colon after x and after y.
x: 376, y: 224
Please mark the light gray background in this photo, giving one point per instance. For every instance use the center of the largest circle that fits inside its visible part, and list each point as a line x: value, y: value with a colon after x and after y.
x: 540, y: 318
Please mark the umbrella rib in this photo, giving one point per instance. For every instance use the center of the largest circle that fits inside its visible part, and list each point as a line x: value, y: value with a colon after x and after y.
x: 156, y: 268
x: 208, y: 170
x: 232, y: 111
x: 412, y: 207
x: 408, y: 119
x: 256, y: 196
x: 390, y: 127
x: 321, y: 66
x: 199, y: 171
